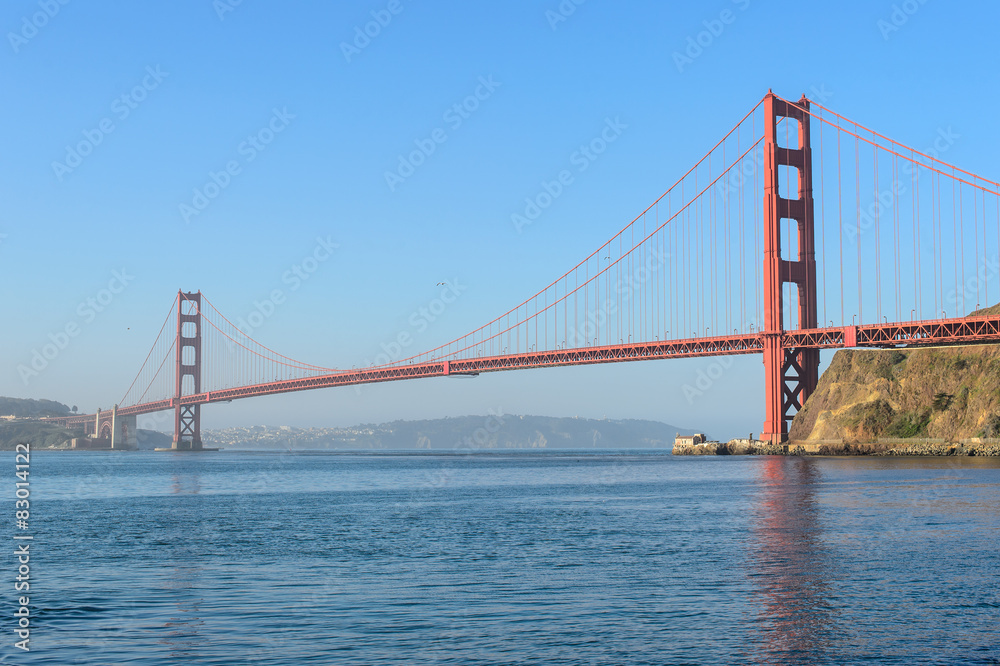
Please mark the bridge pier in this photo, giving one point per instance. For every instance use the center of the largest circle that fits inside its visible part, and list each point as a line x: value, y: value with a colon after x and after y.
x: 124, y: 434
x: 187, y: 417
x: 113, y: 430
x: 790, y: 374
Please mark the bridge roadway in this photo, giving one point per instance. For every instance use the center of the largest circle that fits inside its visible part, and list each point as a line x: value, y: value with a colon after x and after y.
x: 960, y: 331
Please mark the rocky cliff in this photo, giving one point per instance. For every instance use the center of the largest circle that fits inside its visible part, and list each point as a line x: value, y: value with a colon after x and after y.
x: 949, y: 393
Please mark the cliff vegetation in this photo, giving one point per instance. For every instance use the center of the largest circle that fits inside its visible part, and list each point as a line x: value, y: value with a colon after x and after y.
x: 938, y: 393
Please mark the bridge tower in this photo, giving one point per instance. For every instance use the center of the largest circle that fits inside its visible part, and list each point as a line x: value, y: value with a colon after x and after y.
x: 187, y: 418
x: 790, y: 374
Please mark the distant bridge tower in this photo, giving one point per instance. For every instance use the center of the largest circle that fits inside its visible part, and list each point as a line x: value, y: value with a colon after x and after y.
x: 187, y: 417
x: 790, y: 374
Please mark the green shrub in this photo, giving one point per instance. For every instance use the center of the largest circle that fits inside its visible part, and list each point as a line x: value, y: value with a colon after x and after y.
x: 896, y: 357
x: 942, y: 401
x: 870, y: 418
x: 909, y: 424
x: 962, y: 399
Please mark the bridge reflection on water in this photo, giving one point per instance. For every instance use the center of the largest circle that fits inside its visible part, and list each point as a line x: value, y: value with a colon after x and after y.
x: 181, y: 633
x: 787, y: 563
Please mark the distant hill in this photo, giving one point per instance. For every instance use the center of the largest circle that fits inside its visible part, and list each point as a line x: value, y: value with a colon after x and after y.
x: 461, y: 433
x: 38, y: 434
x: 27, y: 407
x: 153, y: 439
x: 44, y: 435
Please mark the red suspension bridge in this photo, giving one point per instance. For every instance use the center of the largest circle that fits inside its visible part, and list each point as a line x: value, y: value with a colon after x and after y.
x: 799, y: 230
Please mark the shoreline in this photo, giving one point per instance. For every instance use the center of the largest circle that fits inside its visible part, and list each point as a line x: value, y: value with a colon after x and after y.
x: 886, y: 448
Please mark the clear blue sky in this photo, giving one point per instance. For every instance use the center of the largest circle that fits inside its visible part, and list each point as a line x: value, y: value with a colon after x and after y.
x: 208, y: 78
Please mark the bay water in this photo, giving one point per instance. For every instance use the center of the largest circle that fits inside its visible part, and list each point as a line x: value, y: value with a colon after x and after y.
x: 521, y: 557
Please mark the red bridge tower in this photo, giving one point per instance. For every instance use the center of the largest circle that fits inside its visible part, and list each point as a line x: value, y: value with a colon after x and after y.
x: 187, y: 418
x: 790, y: 374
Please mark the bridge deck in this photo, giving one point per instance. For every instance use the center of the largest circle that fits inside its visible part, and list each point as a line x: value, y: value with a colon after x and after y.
x: 967, y: 330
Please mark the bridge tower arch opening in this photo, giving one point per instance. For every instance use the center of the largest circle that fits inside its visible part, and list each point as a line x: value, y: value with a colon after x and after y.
x: 790, y: 374
x: 187, y: 417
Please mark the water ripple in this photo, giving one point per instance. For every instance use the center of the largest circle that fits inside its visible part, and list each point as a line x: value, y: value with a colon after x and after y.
x: 540, y: 558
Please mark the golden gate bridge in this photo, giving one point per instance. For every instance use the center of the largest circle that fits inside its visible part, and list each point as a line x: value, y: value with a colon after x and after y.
x: 800, y: 230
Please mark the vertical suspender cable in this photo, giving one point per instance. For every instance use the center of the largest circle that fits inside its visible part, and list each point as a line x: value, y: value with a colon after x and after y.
x: 975, y: 233
x: 857, y: 237
x: 915, y: 217
x: 961, y: 235
x: 840, y: 222
x: 878, y: 250
x: 822, y: 218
